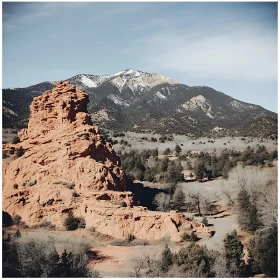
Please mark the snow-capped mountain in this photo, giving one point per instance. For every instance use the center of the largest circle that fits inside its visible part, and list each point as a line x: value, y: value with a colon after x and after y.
x: 136, y: 100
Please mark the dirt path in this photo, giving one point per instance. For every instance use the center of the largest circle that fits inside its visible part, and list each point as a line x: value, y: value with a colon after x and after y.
x: 118, y: 261
x: 222, y: 226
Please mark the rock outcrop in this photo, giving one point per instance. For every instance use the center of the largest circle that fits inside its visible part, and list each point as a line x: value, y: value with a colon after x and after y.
x: 67, y: 165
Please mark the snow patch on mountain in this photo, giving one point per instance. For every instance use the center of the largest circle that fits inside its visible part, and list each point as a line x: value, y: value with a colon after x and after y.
x: 159, y: 95
x: 88, y: 82
x: 119, y: 82
x: 118, y: 100
x: 209, y: 115
x: 239, y: 106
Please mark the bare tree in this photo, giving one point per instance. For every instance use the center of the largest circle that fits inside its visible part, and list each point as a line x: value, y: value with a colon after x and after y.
x: 197, y: 199
x: 268, y: 204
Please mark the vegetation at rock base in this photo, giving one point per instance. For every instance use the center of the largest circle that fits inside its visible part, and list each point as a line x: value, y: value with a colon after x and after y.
x: 263, y: 252
x: 15, y: 140
x: 40, y: 259
x: 71, y: 222
x: 20, y: 152
x: 234, y: 254
x: 16, y: 220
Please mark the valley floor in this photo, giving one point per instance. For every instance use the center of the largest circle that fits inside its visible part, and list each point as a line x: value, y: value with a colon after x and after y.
x: 118, y: 261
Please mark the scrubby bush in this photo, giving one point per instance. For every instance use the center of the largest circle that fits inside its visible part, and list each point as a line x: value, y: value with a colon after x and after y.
x: 17, y: 234
x: 20, y: 152
x: 129, y: 237
x: 82, y: 223
x: 34, y: 259
x: 46, y: 224
x: 167, y: 151
x: 205, y: 221
x: 192, y: 237
x: 15, y: 186
x: 71, y: 222
x: 15, y: 140
x: 16, y: 219
x: 75, y: 194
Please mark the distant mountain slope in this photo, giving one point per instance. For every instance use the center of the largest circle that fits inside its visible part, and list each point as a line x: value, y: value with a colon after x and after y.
x: 264, y: 127
x: 16, y: 102
x: 140, y: 101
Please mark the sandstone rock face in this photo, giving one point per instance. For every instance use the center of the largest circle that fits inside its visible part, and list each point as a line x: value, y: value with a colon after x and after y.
x: 67, y: 165
x: 62, y: 145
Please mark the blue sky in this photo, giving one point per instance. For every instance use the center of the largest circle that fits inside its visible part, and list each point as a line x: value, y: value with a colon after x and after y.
x: 231, y: 47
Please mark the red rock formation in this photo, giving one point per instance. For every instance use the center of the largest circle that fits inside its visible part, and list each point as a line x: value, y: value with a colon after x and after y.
x: 62, y: 145
x: 67, y: 165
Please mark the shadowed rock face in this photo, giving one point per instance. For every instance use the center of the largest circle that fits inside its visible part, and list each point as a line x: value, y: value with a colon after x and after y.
x: 67, y: 165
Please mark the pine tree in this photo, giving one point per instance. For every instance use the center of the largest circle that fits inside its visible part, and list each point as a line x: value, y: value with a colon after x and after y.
x: 178, y: 149
x: 179, y: 199
x: 234, y: 253
x: 166, y: 259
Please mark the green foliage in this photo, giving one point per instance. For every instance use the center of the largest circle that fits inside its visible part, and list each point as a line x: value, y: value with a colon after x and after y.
x: 16, y: 220
x: 178, y: 149
x: 72, y: 265
x: 82, y: 223
x: 248, y: 217
x: 200, y: 171
x: 40, y: 259
x: 205, y: 221
x: 20, y: 152
x: 15, y: 186
x: 15, y: 140
x: 4, y: 155
x: 194, y: 258
x: 263, y: 252
x: 71, y: 222
x: 17, y: 234
x: 192, y: 237
x: 129, y: 237
x: 234, y: 252
x: 178, y: 199
x: 166, y: 259
x: 167, y: 151
x: 137, y: 167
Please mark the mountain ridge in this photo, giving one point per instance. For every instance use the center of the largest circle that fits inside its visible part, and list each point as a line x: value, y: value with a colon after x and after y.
x: 137, y: 100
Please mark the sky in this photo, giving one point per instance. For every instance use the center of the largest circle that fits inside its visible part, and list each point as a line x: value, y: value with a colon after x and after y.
x: 231, y: 47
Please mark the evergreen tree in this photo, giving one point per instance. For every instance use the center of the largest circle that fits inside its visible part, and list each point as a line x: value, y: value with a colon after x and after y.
x: 248, y: 217
x: 195, y: 259
x: 234, y: 252
x: 166, y: 259
x: 263, y: 252
x: 200, y: 171
x: 178, y: 149
x: 178, y: 199
x: 167, y: 151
